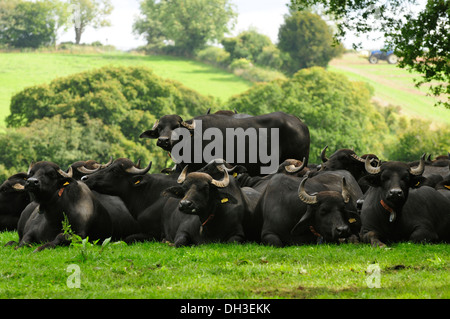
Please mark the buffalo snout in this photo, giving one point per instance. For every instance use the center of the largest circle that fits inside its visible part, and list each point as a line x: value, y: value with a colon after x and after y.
x: 187, y: 206
x: 163, y: 142
x: 395, y: 194
x: 32, y: 183
x: 343, y: 231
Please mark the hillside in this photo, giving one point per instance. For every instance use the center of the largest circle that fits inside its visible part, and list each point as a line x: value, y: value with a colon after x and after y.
x: 20, y: 70
x: 392, y: 85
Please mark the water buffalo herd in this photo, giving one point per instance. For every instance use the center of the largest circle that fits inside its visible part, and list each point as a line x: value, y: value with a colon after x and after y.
x: 345, y: 199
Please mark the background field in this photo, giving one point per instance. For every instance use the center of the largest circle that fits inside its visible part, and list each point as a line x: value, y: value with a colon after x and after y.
x: 20, y: 70
x: 156, y: 270
x: 392, y: 85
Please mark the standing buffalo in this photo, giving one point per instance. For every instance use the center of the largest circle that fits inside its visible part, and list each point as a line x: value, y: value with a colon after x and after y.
x: 260, y: 143
x: 397, y: 208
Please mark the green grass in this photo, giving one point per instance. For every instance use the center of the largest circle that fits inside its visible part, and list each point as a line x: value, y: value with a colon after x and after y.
x: 20, y: 70
x: 394, y: 86
x: 218, y: 271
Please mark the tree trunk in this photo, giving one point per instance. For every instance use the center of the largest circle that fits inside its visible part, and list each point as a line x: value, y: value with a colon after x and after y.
x: 78, y: 32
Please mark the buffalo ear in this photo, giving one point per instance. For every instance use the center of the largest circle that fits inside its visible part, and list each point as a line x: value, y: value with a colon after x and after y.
x: 417, y: 181
x: 370, y: 180
x: 174, y: 191
x: 150, y: 134
x: 303, y: 222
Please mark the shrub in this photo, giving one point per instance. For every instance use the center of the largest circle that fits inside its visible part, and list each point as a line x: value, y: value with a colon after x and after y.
x: 214, y: 56
x: 126, y: 101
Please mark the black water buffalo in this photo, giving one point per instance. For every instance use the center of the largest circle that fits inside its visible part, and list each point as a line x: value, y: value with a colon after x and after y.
x: 253, y: 135
x: 347, y: 159
x: 13, y: 200
x: 443, y: 187
x: 55, y: 193
x: 221, y: 206
x: 141, y: 193
x: 396, y: 207
x: 300, y: 211
x: 81, y: 168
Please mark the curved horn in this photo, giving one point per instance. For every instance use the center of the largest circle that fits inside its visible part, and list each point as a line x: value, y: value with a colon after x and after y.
x: 139, y: 171
x: 304, y: 197
x: 85, y: 170
x: 224, y: 182
x: 188, y: 126
x: 345, y: 191
x: 155, y: 125
x: 359, y: 159
x: 369, y: 168
x: 419, y: 169
x: 69, y: 174
x: 292, y: 169
x: 107, y: 164
x: 182, y: 176
x: 323, y: 156
x: 30, y: 167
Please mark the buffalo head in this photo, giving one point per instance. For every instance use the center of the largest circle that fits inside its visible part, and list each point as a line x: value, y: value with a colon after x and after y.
x: 163, y: 128
x: 327, y: 212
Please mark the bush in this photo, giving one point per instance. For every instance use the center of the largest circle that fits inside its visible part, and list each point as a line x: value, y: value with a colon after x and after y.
x: 214, y: 56
x: 126, y: 101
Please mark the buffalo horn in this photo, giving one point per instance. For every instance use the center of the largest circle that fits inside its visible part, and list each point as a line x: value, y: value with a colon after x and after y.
x: 356, y: 157
x: 369, y: 168
x: 85, y: 170
x: 188, y: 126
x: 224, y: 182
x: 419, y: 169
x: 155, y: 125
x: 64, y: 174
x: 139, y: 171
x: 182, y: 176
x: 30, y: 167
x: 345, y: 192
x: 304, y: 197
x: 323, y: 156
x: 292, y: 169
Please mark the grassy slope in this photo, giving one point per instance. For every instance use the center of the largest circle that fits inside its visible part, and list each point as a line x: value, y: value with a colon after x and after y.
x: 392, y: 85
x: 20, y: 70
x: 156, y: 270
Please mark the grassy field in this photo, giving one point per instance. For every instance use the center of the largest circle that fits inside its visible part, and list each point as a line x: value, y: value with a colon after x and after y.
x: 157, y: 270
x: 20, y: 70
x: 392, y: 85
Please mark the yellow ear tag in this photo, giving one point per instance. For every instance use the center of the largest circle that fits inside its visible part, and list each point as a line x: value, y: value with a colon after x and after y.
x: 447, y: 186
x: 352, y: 220
x: 418, y: 183
x: 66, y: 183
x: 137, y: 182
x: 234, y: 174
x: 224, y: 200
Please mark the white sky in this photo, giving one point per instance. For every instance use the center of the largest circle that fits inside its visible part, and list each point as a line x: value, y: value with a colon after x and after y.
x: 264, y: 15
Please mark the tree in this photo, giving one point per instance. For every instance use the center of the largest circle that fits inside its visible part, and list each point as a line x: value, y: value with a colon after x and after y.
x: 184, y: 26
x: 308, y: 40
x: 89, y: 13
x: 27, y: 24
x: 419, y: 35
